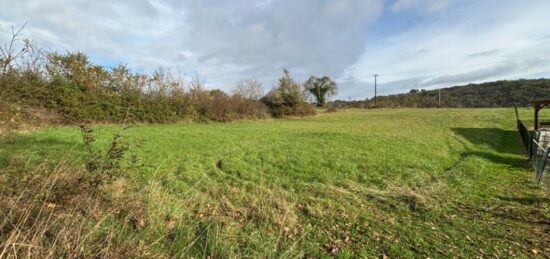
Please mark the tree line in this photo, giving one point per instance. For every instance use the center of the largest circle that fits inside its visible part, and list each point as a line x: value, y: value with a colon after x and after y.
x: 77, y: 90
x: 504, y: 93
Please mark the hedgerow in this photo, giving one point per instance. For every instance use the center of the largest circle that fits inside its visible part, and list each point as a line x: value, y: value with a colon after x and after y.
x: 80, y: 91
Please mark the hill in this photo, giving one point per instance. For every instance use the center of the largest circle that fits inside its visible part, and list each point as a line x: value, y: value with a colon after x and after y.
x: 492, y: 94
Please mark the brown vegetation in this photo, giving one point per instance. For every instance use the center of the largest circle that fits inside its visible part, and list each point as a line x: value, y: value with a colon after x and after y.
x: 77, y: 90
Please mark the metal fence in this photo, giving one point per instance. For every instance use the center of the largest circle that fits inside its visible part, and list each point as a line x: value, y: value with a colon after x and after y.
x: 526, y: 138
x: 537, y: 147
x: 540, y: 154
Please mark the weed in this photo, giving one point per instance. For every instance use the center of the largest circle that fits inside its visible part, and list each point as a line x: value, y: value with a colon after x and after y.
x: 103, y: 166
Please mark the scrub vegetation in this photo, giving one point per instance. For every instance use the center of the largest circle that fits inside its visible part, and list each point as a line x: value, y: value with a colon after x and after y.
x: 68, y: 88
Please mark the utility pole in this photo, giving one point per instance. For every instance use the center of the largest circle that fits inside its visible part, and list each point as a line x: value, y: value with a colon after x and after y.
x: 375, y: 82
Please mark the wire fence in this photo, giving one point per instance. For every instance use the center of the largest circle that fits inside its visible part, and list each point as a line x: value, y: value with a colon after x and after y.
x: 525, y: 138
x: 541, y: 154
x: 537, y: 147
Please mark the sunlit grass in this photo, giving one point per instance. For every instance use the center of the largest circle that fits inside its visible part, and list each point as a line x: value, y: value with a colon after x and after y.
x: 427, y: 182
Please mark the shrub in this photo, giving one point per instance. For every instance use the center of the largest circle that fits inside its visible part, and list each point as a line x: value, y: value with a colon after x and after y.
x: 286, y: 99
x: 331, y: 109
x: 52, y: 213
x: 216, y: 105
x: 102, y: 167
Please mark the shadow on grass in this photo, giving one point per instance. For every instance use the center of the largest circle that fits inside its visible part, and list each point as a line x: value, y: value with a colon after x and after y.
x: 499, y: 140
x: 532, y: 200
x: 505, y: 142
x: 23, y: 144
x: 518, y: 214
x: 505, y: 160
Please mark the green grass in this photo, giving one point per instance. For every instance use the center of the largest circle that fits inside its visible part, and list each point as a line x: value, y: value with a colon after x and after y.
x: 401, y: 183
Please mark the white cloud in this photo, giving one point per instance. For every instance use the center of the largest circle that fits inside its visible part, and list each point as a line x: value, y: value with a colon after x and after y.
x: 307, y: 37
x: 472, y: 44
x: 424, y: 6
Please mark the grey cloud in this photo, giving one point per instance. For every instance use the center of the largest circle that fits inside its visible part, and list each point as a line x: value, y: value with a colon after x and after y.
x: 404, y: 85
x: 222, y: 41
x: 115, y: 29
x: 322, y: 37
x: 361, y: 90
x: 483, y: 54
x: 422, y: 6
x: 491, y: 72
x: 355, y: 90
x: 471, y: 76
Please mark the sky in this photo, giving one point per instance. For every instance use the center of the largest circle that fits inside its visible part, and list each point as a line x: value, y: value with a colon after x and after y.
x: 410, y: 43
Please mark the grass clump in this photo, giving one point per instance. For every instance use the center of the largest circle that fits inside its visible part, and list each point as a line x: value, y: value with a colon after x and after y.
x: 51, y: 213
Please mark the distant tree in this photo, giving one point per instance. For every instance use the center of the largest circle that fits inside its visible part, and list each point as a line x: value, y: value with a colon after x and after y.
x: 287, y: 92
x: 250, y: 89
x: 320, y: 88
x: 287, y: 99
x: 490, y: 94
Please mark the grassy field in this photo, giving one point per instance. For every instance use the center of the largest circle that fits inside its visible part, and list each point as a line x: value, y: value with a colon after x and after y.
x: 400, y: 183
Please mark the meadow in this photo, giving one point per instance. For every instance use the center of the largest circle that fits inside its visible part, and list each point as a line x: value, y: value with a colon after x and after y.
x: 355, y: 183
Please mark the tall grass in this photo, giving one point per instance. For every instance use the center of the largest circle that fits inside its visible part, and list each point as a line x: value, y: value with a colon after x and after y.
x: 47, y: 215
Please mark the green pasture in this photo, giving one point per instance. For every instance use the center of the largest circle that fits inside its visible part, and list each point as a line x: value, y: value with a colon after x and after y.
x: 355, y: 183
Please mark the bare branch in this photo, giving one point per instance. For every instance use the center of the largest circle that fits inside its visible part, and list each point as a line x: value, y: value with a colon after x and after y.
x: 250, y: 89
x: 8, y: 53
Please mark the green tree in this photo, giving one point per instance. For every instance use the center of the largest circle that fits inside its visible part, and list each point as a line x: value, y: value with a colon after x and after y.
x: 320, y: 88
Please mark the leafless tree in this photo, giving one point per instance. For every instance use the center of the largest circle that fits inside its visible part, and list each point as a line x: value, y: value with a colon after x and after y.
x: 196, y: 83
x: 9, y: 51
x: 34, y: 57
x: 250, y: 89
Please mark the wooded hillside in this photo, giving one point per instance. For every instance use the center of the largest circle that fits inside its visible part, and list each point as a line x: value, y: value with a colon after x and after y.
x: 491, y: 94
